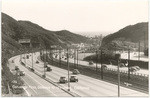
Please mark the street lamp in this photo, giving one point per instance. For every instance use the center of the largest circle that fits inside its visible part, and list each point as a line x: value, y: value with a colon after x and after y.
x: 101, y: 64
x: 128, y: 63
x: 68, y: 69
x: 96, y: 59
x: 77, y: 58
x: 117, y: 57
x: 60, y: 56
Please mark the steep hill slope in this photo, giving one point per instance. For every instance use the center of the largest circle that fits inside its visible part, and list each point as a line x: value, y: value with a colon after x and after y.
x: 16, y: 30
x: 128, y: 36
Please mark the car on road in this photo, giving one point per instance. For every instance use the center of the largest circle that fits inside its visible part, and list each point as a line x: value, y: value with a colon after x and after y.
x: 137, y: 67
x: 104, y: 66
x: 12, y: 61
x: 31, y: 69
x: 16, y: 68
x: 27, y: 56
x: 73, y: 79
x: 49, y: 69
x: 122, y: 65
x: 21, y: 73
x: 91, y: 63
x: 134, y: 68
x: 75, y: 71
x: 63, y: 80
x: 37, y: 62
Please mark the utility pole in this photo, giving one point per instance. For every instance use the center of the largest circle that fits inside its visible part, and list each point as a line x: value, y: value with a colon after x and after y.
x: 101, y: 65
x: 25, y: 58
x: 77, y: 58
x: 128, y: 63
x: 74, y: 57
x: 60, y: 57
x: 46, y: 54
x: 68, y: 69
x: 139, y: 51
x: 117, y: 57
x: 96, y: 60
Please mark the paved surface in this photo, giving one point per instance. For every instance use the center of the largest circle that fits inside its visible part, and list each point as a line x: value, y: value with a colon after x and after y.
x: 85, y: 63
x: 35, y: 85
x: 86, y: 86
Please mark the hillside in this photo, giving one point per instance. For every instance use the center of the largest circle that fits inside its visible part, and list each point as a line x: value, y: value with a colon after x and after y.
x: 13, y: 30
x: 16, y: 30
x: 128, y: 36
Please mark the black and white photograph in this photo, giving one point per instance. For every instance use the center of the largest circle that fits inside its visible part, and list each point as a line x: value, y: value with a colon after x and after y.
x: 75, y: 48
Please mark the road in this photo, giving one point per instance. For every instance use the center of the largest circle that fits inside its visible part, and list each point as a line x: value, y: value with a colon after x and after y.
x: 85, y: 63
x: 35, y: 85
x: 86, y: 86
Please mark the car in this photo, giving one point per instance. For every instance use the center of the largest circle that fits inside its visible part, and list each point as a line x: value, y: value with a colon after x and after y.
x: 137, y: 67
x: 104, y: 66
x: 75, y: 71
x: 91, y: 63
x: 122, y: 65
x: 27, y: 56
x: 49, y: 69
x: 134, y: 68
x: 73, y: 79
x: 44, y: 76
x: 22, y: 63
x: 12, y: 61
x: 16, y: 68
x: 63, y: 80
x: 31, y: 69
x: 21, y: 73
x: 37, y: 62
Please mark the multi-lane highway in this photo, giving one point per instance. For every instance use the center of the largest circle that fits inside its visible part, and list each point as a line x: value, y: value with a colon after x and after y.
x: 35, y: 85
x: 86, y: 86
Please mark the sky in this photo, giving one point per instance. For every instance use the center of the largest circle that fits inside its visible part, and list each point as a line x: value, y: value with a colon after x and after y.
x: 86, y: 17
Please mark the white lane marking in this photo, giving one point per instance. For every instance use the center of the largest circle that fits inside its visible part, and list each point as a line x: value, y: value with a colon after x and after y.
x: 29, y: 85
x: 26, y: 91
x: 41, y: 84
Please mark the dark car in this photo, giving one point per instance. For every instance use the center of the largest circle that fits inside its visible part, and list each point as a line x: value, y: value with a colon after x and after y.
x: 37, y: 62
x: 16, y: 68
x: 104, y: 66
x: 137, y: 67
x: 91, y: 63
x: 122, y: 65
x: 12, y: 61
x: 75, y: 71
x: 73, y: 79
x: 21, y: 73
x: 31, y: 69
x: 27, y: 56
x: 134, y: 68
x: 49, y: 69
x: 63, y: 80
